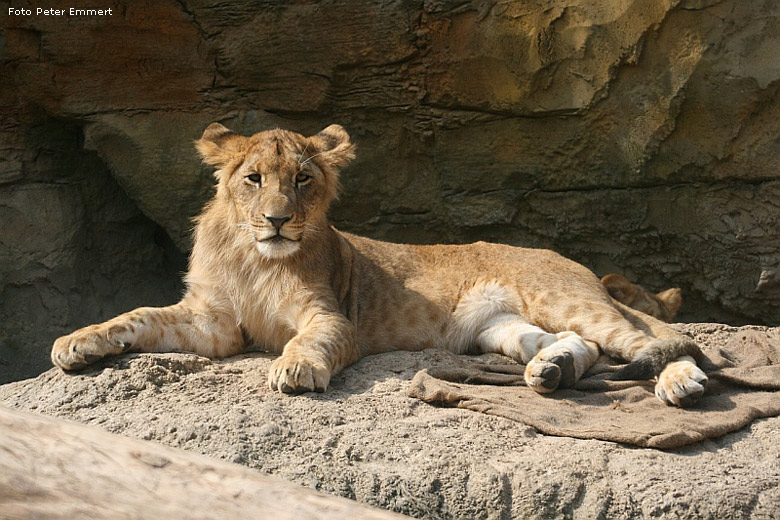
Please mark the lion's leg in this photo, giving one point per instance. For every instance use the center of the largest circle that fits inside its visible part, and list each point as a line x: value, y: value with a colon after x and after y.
x: 179, y: 327
x: 652, y: 347
x: 680, y: 381
x: 552, y: 360
x: 325, y: 343
x: 561, y: 364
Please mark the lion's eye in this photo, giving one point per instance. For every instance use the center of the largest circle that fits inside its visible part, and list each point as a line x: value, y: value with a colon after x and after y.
x: 255, y: 177
x: 302, y: 179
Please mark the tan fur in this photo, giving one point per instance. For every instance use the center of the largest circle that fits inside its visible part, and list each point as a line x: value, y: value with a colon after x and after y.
x: 268, y: 270
x: 663, y: 305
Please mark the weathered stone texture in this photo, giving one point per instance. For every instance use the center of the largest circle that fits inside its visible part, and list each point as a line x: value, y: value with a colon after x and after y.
x: 637, y: 137
x: 365, y: 439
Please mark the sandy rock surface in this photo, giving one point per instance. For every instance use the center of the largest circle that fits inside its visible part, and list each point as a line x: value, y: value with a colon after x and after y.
x: 365, y: 439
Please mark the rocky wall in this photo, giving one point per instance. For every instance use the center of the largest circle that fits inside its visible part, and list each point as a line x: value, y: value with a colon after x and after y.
x: 637, y: 137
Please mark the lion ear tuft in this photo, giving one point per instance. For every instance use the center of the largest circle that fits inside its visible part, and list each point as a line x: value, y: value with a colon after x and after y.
x: 219, y: 145
x: 333, y: 146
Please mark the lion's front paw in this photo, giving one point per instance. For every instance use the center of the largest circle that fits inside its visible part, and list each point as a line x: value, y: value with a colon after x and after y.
x: 681, y: 383
x: 295, y: 374
x: 87, y: 345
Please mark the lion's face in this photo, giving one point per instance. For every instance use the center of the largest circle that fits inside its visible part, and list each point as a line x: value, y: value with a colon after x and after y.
x: 280, y: 183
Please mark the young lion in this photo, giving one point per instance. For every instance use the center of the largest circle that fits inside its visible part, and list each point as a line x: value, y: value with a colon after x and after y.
x: 267, y: 269
x: 663, y: 305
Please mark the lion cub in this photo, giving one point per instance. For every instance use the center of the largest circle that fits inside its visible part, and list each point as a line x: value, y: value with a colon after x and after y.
x: 267, y: 269
x: 663, y: 305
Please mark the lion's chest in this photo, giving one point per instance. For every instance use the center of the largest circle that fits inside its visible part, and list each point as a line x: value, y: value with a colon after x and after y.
x: 264, y: 311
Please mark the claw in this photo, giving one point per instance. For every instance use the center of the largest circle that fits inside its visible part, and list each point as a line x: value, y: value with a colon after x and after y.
x: 297, y: 375
x: 681, y: 384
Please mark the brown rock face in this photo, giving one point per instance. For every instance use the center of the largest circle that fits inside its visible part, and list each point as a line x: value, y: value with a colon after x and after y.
x: 637, y: 137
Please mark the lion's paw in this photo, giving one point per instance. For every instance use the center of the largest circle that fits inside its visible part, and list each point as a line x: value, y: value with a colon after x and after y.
x: 550, y: 369
x: 87, y: 345
x: 295, y: 374
x: 681, y: 383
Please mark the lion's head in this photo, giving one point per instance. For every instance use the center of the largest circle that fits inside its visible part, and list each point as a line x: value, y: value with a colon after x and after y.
x: 280, y: 183
x: 663, y: 305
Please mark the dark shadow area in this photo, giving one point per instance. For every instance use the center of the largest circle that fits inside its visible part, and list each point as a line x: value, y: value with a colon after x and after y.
x: 74, y: 249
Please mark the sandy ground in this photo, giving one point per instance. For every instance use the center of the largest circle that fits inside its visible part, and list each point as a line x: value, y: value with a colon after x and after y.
x: 366, y: 440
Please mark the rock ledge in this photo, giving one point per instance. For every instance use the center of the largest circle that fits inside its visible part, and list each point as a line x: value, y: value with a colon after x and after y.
x: 365, y: 439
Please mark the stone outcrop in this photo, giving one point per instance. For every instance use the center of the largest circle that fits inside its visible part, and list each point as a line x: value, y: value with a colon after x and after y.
x: 59, y: 469
x: 637, y: 137
x: 365, y: 439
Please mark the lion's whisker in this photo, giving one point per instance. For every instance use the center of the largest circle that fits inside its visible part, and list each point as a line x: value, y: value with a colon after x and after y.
x: 312, y: 157
x: 303, y: 152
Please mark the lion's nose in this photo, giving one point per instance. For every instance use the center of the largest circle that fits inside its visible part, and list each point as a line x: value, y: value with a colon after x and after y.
x: 277, y: 222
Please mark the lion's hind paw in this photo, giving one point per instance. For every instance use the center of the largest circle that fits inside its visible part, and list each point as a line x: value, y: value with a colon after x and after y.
x: 681, y: 383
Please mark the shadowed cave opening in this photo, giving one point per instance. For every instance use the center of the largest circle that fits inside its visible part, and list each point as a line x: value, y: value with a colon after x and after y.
x: 76, y: 249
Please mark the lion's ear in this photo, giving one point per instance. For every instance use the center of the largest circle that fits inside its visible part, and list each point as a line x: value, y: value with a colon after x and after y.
x: 619, y: 287
x: 219, y: 145
x: 333, y: 146
x: 671, y: 299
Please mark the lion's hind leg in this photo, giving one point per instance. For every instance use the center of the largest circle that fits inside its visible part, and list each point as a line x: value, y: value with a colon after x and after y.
x: 652, y: 348
x: 681, y: 382
x: 561, y: 364
x: 552, y: 360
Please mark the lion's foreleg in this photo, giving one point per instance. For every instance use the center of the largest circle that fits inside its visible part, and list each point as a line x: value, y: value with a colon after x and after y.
x: 322, y: 347
x: 150, y: 329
